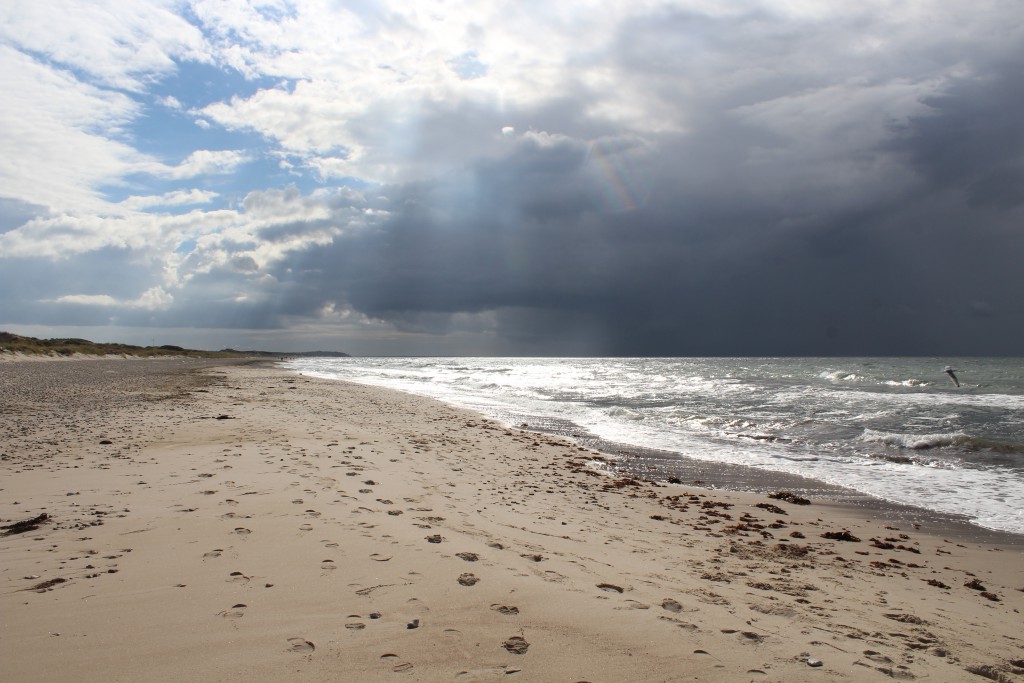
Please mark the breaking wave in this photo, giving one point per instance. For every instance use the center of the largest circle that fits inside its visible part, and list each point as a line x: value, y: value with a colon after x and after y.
x: 916, y: 442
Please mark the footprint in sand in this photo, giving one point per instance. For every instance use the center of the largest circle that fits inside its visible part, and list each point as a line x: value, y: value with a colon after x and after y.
x: 396, y: 665
x: 238, y: 577
x: 505, y: 609
x: 554, y: 577
x: 329, y: 544
x: 354, y: 625
x: 236, y: 612
x: 610, y: 587
x: 242, y: 531
x: 468, y: 557
x: 378, y: 557
x: 216, y: 552
x: 328, y: 564
x: 877, y: 657
x: 468, y: 579
x: 685, y: 625
x: 671, y: 605
x: 517, y: 645
x: 494, y: 673
x: 306, y: 527
x: 417, y: 604
x: 300, y: 645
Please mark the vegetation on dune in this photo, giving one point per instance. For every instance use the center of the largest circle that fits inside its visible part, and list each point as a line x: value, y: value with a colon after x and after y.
x: 13, y: 343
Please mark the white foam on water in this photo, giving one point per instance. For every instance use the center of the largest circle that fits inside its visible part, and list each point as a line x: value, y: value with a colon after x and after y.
x: 915, y: 441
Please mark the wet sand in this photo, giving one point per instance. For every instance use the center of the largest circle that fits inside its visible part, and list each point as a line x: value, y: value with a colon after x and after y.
x: 240, y: 522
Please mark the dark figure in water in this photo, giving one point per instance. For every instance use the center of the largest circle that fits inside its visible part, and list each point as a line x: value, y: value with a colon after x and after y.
x: 949, y: 371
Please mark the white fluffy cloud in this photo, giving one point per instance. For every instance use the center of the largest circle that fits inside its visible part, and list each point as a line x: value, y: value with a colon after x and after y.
x: 359, y: 85
x: 58, y: 143
x: 152, y: 299
x: 201, y: 162
x: 375, y: 91
x: 175, y: 198
x: 124, y: 44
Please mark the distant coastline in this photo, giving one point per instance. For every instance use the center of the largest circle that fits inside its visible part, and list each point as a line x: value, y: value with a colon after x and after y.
x: 14, y: 344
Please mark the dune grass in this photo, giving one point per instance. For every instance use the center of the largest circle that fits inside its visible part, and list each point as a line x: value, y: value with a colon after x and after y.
x: 13, y: 343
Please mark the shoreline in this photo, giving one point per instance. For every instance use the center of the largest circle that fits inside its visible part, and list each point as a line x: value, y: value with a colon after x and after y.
x: 741, y: 478
x: 659, y: 465
x: 242, y: 520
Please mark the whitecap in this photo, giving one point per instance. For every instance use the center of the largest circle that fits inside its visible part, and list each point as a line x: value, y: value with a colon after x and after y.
x: 914, y: 441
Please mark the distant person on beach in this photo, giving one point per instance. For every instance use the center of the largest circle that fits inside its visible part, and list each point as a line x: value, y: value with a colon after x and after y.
x: 952, y: 376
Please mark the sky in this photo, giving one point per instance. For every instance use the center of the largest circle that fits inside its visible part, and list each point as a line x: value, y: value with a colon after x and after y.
x: 475, y: 177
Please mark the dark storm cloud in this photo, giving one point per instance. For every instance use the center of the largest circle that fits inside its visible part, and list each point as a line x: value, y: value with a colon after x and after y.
x: 713, y: 262
x: 972, y: 139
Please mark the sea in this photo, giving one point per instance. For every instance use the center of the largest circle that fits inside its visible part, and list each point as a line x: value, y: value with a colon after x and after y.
x: 894, y: 429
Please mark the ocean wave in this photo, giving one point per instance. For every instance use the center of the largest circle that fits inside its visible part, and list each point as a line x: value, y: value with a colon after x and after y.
x: 907, y: 383
x: 625, y: 414
x: 916, y: 442
x: 960, y: 440
x: 917, y: 461
x: 994, y: 445
x: 839, y: 375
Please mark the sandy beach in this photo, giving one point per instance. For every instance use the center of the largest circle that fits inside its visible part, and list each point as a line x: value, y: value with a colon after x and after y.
x: 183, y: 520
